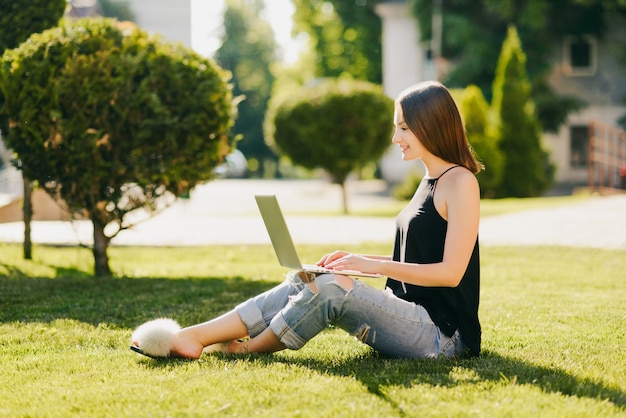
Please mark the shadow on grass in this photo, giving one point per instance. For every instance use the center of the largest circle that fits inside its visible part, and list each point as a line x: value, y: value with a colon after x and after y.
x: 127, y: 302
x: 119, y: 302
x: 380, y: 374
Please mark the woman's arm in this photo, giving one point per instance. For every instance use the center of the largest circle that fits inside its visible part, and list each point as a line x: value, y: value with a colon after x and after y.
x: 458, y: 201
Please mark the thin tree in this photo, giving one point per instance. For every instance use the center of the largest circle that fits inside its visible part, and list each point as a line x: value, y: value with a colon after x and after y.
x: 19, y: 20
x: 118, y: 9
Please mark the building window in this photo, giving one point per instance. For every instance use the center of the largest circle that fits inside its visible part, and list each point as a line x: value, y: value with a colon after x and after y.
x: 580, y: 56
x: 579, y: 146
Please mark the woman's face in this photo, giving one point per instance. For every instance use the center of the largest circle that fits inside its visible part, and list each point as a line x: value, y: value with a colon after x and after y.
x: 404, y: 138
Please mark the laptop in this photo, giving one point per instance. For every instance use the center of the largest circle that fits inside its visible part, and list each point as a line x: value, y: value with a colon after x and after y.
x: 283, y: 244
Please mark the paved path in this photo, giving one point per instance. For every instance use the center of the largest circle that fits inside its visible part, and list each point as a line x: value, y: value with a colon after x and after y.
x: 224, y: 212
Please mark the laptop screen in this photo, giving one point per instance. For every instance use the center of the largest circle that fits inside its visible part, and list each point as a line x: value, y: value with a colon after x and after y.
x: 279, y: 233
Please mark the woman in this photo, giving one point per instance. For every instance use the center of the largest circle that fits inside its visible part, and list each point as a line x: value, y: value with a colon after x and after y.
x: 430, y: 305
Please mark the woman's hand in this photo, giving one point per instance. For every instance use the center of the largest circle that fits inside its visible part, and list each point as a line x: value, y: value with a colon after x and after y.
x: 329, y: 258
x: 343, y: 260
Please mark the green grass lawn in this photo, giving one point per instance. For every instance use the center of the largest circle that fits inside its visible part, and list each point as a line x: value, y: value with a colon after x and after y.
x: 554, y: 332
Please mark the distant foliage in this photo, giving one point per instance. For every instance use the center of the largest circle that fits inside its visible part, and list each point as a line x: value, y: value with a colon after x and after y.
x: 344, y: 36
x: 119, y: 9
x: 473, y: 31
x: 248, y: 51
x: 406, y: 189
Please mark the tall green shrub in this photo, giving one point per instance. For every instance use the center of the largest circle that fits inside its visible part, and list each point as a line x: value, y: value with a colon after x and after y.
x: 338, y: 125
x: 527, y: 170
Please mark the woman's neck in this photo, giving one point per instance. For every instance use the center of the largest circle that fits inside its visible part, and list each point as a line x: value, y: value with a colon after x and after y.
x: 436, y: 166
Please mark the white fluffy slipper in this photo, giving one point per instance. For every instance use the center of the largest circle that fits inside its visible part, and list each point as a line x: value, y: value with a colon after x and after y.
x: 155, y: 337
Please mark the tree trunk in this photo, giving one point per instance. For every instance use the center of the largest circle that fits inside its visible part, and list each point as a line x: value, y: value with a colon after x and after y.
x: 27, y: 212
x: 100, y: 245
x: 344, y: 197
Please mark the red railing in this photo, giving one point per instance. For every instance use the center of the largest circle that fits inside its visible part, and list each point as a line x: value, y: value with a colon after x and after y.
x: 607, y: 158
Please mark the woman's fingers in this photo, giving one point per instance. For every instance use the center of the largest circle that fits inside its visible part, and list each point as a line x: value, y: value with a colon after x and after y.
x: 329, y: 258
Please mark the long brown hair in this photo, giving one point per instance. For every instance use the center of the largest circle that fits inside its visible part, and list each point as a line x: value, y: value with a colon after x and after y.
x: 432, y: 115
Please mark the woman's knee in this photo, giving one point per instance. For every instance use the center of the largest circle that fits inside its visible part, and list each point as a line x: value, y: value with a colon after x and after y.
x: 345, y: 282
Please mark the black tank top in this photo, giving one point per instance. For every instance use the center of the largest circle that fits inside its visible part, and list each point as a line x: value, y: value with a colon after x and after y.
x: 420, y: 238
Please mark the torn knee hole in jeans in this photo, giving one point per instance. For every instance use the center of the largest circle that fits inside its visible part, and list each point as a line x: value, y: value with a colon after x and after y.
x: 362, y: 332
x: 312, y: 287
x: 344, y: 282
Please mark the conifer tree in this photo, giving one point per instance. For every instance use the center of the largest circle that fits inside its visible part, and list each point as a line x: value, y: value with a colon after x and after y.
x: 527, y: 171
x: 476, y: 116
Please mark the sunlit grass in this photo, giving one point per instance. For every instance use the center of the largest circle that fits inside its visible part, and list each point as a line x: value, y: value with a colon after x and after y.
x: 554, y: 328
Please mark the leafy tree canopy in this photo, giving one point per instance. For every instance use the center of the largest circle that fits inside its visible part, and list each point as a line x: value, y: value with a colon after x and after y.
x: 19, y: 20
x: 111, y: 119
x: 477, y: 121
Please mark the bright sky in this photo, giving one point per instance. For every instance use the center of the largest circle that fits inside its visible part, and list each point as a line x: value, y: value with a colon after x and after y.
x: 206, y: 25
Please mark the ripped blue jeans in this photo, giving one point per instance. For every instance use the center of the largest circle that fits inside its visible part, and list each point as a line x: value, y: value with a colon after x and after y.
x: 392, y: 326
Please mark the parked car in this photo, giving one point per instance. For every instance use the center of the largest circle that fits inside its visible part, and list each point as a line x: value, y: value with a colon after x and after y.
x: 235, y: 165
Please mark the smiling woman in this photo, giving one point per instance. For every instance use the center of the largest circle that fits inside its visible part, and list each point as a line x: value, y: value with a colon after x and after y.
x: 429, y: 308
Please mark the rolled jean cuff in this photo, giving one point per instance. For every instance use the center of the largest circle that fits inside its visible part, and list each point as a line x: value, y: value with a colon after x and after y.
x: 285, y: 334
x: 252, y: 317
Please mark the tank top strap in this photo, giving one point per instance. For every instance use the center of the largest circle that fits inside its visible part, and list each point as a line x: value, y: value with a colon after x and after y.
x: 436, y: 179
x: 441, y: 175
